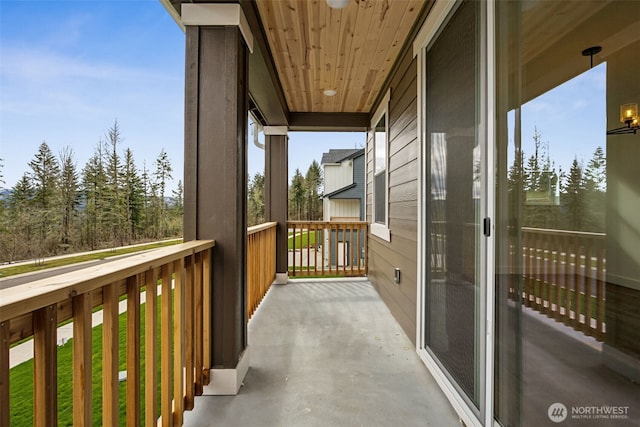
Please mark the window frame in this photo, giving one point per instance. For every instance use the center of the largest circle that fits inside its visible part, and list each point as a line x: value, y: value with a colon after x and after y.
x: 380, y: 229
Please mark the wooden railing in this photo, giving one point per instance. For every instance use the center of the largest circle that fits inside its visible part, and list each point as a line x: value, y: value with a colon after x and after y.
x: 564, y: 277
x: 320, y: 248
x: 261, y: 263
x: 36, y: 310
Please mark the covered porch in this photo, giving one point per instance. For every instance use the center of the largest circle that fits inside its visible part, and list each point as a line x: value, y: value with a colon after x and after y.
x: 328, y: 352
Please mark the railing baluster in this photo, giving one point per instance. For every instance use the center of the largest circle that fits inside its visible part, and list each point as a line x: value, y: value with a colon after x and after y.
x: 167, y: 356
x: 189, y: 334
x: 575, y: 295
x: 556, y: 275
x: 546, y: 259
x: 588, y: 268
x: 206, y: 311
x: 293, y: 251
x: 110, y: 355
x: 150, y: 351
x: 566, y: 274
x: 4, y: 373
x: 133, y: 351
x: 600, y: 294
x: 179, y: 340
x: 45, y: 381
x: 198, y: 323
x: 82, y: 365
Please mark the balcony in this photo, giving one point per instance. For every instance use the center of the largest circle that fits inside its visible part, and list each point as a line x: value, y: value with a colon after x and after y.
x: 322, y: 352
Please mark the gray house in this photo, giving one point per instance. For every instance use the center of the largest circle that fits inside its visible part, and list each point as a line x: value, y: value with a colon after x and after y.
x: 344, y: 177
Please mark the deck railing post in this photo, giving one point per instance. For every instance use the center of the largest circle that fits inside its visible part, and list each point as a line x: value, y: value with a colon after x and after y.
x: 45, y: 355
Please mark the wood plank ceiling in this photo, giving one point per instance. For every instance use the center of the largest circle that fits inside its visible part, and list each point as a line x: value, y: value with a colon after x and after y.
x: 350, y: 50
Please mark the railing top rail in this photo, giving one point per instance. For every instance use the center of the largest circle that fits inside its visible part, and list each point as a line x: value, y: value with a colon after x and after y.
x: 260, y: 227
x: 23, y: 299
x: 549, y: 231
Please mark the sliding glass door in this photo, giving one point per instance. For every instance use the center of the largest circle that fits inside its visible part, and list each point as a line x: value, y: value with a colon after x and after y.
x: 453, y: 146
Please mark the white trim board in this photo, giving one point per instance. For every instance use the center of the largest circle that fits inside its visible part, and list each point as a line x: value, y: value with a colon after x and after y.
x: 219, y: 14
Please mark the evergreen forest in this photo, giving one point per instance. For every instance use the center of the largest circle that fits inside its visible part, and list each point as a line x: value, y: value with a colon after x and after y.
x: 57, y: 208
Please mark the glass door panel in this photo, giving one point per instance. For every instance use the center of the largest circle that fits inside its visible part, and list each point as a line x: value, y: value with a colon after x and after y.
x: 453, y: 205
x: 567, y: 228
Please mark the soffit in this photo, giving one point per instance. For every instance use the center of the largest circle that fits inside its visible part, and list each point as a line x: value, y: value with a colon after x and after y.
x: 350, y: 50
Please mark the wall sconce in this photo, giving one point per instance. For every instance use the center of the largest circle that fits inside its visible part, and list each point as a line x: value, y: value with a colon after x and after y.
x: 338, y: 4
x: 628, y: 116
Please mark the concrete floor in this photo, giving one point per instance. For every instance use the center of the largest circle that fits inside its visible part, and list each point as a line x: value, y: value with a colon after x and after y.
x: 328, y: 353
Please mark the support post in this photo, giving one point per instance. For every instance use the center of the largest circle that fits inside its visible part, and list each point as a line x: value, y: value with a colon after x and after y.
x: 276, y: 193
x: 216, y: 120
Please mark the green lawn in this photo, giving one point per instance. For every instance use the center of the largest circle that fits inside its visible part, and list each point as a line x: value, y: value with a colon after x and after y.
x: 302, y: 239
x: 31, y: 267
x: 21, y: 379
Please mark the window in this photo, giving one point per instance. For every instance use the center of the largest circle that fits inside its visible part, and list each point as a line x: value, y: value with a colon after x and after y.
x: 380, y: 203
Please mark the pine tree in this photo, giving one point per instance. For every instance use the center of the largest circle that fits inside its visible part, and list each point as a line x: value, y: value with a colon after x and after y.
x: 573, y: 194
x: 296, y: 195
x: 133, y: 196
x: 22, y: 218
x: 44, y: 175
x: 116, y: 208
x: 313, y: 184
x: 595, y: 174
x: 255, y: 200
x: 595, y: 183
x: 162, y: 175
x: 94, y: 184
x: 176, y: 211
x: 69, y: 195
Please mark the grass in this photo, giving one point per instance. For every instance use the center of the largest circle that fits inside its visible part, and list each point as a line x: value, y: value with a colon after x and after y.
x: 31, y: 267
x: 302, y: 239
x: 21, y: 379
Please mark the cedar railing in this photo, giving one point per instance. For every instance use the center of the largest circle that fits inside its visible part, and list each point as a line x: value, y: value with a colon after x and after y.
x: 36, y: 310
x: 564, y: 277
x: 261, y: 263
x: 318, y: 248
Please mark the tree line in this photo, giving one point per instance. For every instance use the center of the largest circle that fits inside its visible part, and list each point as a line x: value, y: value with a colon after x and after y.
x: 56, y: 208
x: 553, y: 198
x: 304, y: 198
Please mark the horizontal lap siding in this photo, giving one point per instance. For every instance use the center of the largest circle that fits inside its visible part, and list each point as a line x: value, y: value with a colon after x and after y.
x: 401, y: 252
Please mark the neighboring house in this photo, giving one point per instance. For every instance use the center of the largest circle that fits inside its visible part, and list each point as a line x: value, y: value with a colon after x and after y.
x: 343, y: 201
x: 344, y: 177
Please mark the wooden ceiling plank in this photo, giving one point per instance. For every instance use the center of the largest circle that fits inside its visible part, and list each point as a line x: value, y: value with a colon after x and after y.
x: 365, y: 18
x: 366, y: 65
x: 350, y: 50
x: 389, y: 47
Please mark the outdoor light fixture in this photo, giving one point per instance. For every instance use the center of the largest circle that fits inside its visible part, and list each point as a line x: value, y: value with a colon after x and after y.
x: 628, y: 116
x: 329, y: 92
x: 590, y: 51
x: 338, y: 4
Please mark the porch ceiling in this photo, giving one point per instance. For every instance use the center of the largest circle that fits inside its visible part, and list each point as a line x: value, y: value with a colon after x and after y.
x: 350, y: 50
x: 304, y: 47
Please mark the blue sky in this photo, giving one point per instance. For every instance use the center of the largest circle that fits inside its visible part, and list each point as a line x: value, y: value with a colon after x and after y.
x: 571, y: 118
x: 69, y: 69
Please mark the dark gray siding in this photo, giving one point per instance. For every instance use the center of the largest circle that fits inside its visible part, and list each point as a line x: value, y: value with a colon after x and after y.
x: 401, y: 252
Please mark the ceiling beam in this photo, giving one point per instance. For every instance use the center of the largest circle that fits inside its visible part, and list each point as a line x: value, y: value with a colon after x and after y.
x: 344, y: 122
